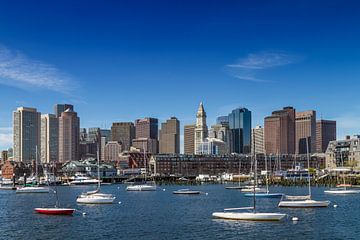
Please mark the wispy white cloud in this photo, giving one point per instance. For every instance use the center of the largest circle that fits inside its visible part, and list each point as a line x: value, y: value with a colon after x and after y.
x: 18, y: 70
x: 6, y: 137
x: 248, y: 68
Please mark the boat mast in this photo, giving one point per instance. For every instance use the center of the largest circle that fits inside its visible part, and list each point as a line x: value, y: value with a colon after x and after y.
x: 36, y: 164
x: 266, y: 176
x: 308, y: 161
x: 144, y: 162
x: 342, y: 164
x: 255, y: 176
x: 98, y: 167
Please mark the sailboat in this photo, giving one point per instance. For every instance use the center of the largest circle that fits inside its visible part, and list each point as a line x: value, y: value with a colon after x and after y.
x: 303, y: 201
x: 57, y: 210
x: 232, y: 214
x: 31, y: 188
x: 96, y: 197
x: 144, y: 186
x: 342, y: 188
x: 236, y: 187
x: 266, y: 194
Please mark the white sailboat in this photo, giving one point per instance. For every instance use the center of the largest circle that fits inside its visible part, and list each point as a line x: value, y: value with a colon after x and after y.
x: 145, y: 186
x: 303, y: 201
x: 33, y: 188
x: 342, y: 189
x: 96, y: 197
x: 232, y: 214
x: 265, y: 194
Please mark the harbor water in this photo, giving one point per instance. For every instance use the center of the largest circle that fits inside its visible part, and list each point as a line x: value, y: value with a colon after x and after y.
x: 163, y: 215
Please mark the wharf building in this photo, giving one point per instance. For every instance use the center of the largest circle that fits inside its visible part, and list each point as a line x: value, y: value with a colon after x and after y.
x: 124, y: 133
x: 240, y: 129
x: 189, y: 139
x: 69, y: 136
x: 280, y: 132
x: 26, y: 134
x: 169, y: 136
x: 343, y: 153
x: 146, y: 133
x: 325, y: 133
x: 49, y: 138
x: 305, y: 132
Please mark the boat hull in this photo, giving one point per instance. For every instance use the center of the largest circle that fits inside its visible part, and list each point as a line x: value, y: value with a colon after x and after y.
x: 342, y: 191
x: 247, y: 190
x: 249, y: 216
x: 234, y: 188
x: 264, y: 195
x: 97, y: 198
x: 186, y: 192
x: 55, y: 211
x: 304, y: 204
x: 32, y: 190
x: 141, y: 188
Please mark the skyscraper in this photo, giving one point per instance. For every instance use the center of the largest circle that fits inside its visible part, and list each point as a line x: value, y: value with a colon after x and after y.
x: 189, y: 139
x: 280, y: 132
x: 112, y: 150
x: 104, y: 139
x: 201, y: 129
x: 305, y: 124
x: 49, y: 138
x: 258, y: 140
x: 124, y: 133
x: 59, y: 108
x: 240, y: 128
x: 69, y: 139
x: 325, y: 132
x: 169, y: 139
x: 26, y: 134
x: 147, y: 128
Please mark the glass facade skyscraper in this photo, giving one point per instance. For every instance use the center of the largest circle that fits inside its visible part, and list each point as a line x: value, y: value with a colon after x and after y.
x: 240, y: 129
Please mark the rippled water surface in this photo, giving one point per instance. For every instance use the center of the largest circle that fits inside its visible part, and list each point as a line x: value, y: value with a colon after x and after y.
x: 163, y: 215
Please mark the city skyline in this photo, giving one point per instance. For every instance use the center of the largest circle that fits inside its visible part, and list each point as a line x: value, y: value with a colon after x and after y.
x: 177, y: 57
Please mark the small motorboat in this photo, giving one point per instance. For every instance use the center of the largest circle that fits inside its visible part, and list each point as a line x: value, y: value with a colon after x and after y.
x: 33, y: 189
x: 55, y: 211
x: 249, y: 216
x: 343, y: 190
x: 95, y: 198
x: 301, y: 202
x: 141, y: 187
x: 186, y: 191
x: 251, y: 189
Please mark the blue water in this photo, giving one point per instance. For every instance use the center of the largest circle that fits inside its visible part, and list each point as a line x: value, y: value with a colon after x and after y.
x: 163, y: 215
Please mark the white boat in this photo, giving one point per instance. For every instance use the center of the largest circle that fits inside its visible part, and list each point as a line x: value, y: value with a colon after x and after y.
x: 81, y: 179
x: 141, y: 187
x: 303, y: 201
x: 249, y: 216
x: 342, y: 191
x: 96, y: 197
x: 35, y: 189
x: 186, y: 192
x: 232, y: 214
x: 251, y: 189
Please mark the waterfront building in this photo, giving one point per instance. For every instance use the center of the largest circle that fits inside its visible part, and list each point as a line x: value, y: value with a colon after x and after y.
x: 343, y: 152
x: 305, y: 130
x: 201, y: 129
x: 124, y: 133
x: 189, y: 139
x: 105, y: 137
x: 240, y: 128
x: 26, y: 134
x: 49, y: 138
x: 88, y: 167
x: 112, y: 151
x: 280, y: 132
x: 60, y: 108
x: 325, y: 132
x: 169, y: 136
x: 258, y: 138
x: 69, y: 136
x: 11, y: 168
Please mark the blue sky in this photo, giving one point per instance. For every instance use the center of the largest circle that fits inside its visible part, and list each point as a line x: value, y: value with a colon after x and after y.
x: 122, y: 60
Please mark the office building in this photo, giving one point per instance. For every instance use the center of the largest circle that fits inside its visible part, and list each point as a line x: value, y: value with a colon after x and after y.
x: 26, y: 134
x: 59, y: 108
x: 257, y: 136
x: 49, y: 138
x: 325, y: 132
x: 169, y: 136
x: 124, y: 133
x: 221, y: 131
x: 69, y: 136
x: 189, y: 139
x: 112, y: 150
x: 201, y: 129
x: 105, y: 137
x: 305, y: 131
x: 280, y: 132
x: 240, y: 128
x: 146, y: 129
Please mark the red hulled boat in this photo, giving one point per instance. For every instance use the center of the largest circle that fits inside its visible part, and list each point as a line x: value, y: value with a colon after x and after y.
x: 55, y: 211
